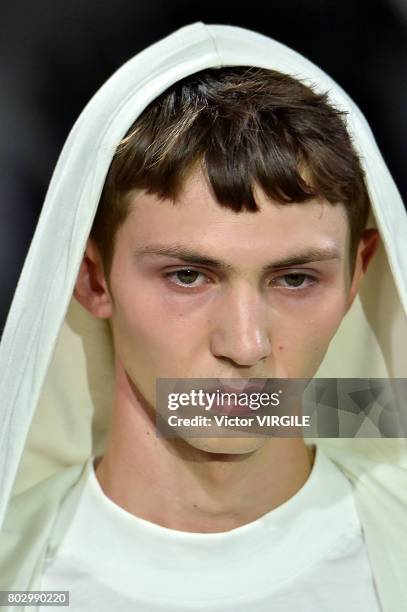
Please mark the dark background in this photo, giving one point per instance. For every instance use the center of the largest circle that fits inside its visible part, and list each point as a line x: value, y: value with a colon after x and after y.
x: 55, y: 55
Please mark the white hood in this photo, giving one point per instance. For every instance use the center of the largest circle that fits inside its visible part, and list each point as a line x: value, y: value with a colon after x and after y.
x: 56, y: 360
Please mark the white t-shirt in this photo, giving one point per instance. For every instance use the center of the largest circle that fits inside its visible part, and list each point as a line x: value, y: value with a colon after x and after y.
x: 307, y: 555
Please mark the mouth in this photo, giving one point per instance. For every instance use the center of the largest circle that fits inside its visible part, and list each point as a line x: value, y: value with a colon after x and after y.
x: 232, y: 408
x: 246, y: 387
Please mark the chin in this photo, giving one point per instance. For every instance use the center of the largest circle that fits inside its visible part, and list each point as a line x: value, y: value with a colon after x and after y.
x: 227, y: 446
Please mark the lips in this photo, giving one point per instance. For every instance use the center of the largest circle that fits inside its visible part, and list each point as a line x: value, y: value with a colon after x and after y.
x: 247, y: 389
x: 252, y: 388
x: 227, y: 408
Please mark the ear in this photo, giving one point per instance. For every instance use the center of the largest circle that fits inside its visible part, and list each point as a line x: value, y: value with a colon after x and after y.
x: 91, y: 289
x: 367, y: 247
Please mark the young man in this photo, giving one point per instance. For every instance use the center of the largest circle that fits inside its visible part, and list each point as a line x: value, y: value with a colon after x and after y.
x: 230, y: 241
x: 200, y: 277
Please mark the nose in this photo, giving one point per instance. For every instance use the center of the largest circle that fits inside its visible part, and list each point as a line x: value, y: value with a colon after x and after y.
x: 241, y: 330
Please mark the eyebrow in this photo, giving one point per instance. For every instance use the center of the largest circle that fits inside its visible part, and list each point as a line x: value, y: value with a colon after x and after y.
x: 184, y: 253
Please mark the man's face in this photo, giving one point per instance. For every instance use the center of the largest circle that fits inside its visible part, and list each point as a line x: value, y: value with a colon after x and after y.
x: 200, y: 291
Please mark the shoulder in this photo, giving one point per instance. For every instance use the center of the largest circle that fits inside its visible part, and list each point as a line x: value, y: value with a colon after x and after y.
x: 371, y: 464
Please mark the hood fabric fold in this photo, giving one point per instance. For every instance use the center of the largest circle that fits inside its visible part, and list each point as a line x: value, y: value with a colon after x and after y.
x: 56, y: 361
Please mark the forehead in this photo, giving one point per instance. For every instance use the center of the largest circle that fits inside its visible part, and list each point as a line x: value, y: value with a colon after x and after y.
x: 197, y: 220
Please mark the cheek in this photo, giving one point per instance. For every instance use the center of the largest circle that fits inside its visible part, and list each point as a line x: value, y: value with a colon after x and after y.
x: 323, y: 322
x: 316, y: 316
x: 152, y: 335
x: 302, y: 340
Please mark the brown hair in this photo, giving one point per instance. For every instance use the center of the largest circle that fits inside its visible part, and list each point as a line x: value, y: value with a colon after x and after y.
x: 247, y: 126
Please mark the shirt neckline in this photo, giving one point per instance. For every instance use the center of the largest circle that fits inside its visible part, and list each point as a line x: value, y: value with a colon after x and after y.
x: 124, y: 550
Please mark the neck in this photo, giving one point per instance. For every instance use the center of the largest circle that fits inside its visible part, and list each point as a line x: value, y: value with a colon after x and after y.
x: 171, y: 483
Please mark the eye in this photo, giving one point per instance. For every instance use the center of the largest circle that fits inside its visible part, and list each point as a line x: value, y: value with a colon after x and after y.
x: 187, y: 277
x: 294, y: 280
